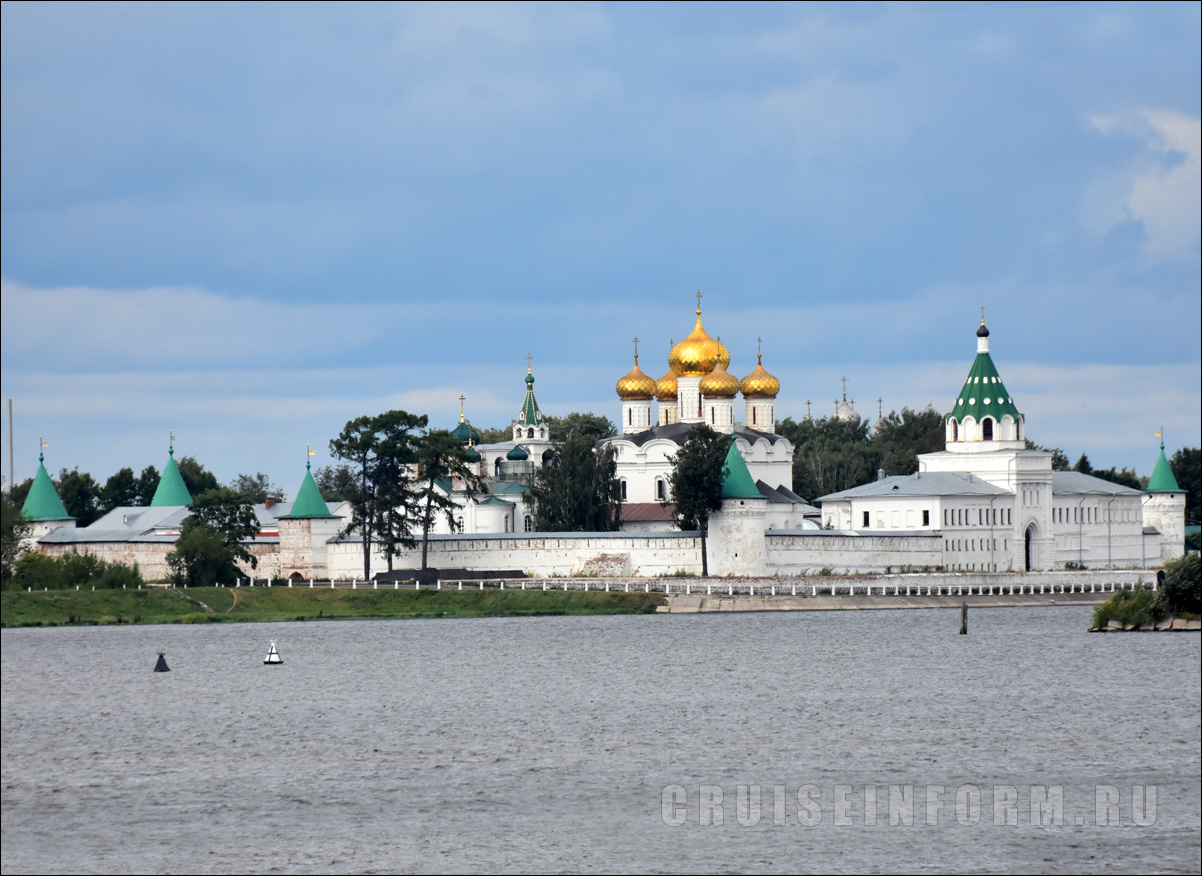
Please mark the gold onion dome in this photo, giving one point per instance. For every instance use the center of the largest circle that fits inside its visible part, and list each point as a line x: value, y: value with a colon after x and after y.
x: 665, y: 387
x: 697, y: 354
x: 759, y: 383
x: 719, y: 383
x: 636, y: 384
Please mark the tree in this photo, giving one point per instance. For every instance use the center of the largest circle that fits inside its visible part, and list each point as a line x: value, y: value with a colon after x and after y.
x: 442, y: 462
x: 495, y: 436
x: 196, y: 477
x: 121, y: 490
x: 201, y: 557
x: 1059, y: 460
x: 830, y: 455
x: 257, y: 488
x: 356, y: 444
x: 577, y: 488
x: 213, y: 540
x: 697, y: 472
x: 1083, y: 465
x: 148, y: 482
x: 383, y: 451
x: 14, y: 528
x: 899, y: 438
x: 336, y: 483
x: 1186, y: 465
x: 80, y: 494
x: 396, y: 456
x: 591, y: 426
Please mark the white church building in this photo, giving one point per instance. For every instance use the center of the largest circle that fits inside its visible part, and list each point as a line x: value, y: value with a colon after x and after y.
x: 999, y: 507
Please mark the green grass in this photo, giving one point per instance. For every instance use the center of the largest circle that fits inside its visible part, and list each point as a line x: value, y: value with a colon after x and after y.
x: 248, y: 604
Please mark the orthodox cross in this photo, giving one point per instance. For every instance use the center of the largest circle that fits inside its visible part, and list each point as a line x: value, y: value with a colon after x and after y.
x: 461, y: 398
x: 636, y: 350
x: 699, y: 302
x: 529, y: 358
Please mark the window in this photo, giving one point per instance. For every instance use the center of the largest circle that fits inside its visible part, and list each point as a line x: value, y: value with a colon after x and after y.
x: 659, y: 488
x: 622, y: 485
x: 926, y: 518
x: 866, y: 523
x: 987, y: 429
x: 528, y: 523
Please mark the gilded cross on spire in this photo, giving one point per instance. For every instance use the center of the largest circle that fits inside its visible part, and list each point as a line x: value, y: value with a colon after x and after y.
x: 699, y: 302
x: 982, y: 314
x: 636, y: 350
x: 529, y: 359
x: 759, y: 350
x: 844, y: 379
x: 461, y: 398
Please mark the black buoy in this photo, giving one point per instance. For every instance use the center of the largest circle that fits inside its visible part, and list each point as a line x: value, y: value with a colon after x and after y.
x: 161, y: 665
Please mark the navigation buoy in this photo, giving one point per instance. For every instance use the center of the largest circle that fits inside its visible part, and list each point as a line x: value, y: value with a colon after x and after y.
x: 161, y: 665
x: 273, y: 657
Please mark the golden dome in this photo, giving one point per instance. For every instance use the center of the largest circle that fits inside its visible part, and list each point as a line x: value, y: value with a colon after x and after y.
x: 636, y: 384
x: 759, y: 383
x: 697, y: 354
x: 719, y: 383
x: 665, y: 387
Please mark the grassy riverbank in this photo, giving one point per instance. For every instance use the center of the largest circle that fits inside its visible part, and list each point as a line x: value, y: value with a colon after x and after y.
x: 249, y: 604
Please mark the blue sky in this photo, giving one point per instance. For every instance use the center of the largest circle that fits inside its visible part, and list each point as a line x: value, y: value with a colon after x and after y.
x: 252, y: 223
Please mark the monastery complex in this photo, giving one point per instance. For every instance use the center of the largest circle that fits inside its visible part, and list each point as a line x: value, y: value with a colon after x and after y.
x: 983, y: 504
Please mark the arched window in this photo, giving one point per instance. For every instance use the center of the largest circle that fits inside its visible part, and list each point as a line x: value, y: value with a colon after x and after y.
x: 622, y: 485
x: 987, y: 429
x: 955, y: 431
x: 530, y: 433
x: 497, y: 467
x: 753, y: 420
x: 659, y: 488
x: 528, y: 523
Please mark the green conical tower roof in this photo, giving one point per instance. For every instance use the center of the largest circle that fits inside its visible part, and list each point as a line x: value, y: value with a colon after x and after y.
x: 984, y: 394
x: 737, y: 482
x: 171, y: 489
x: 530, y: 415
x: 43, y: 502
x: 1162, y: 480
x: 309, y: 502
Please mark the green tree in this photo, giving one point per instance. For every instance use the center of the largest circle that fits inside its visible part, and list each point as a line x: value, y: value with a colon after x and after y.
x: 591, y: 426
x: 697, y: 472
x: 80, y: 494
x: 496, y: 436
x: 231, y: 515
x: 337, y: 483
x: 577, y: 488
x: 829, y: 455
x: 1083, y: 465
x: 201, y: 557
x: 357, y: 445
x: 396, y: 502
x: 196, y: 477
x: 73, y: 570
x: 1186, y: 465
x: 14, y: 528
x: 1059, y: 460
x: 257, y: 488
x: 148, y: 482
x: 899, y: 438
x: 121, y: 490
x: 19, y: 492
x: 442, y: 464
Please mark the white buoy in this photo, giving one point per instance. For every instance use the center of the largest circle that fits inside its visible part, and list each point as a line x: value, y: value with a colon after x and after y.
x: 273, y: 657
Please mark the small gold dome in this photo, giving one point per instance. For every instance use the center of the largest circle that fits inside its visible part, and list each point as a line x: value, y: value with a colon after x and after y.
x: 636, y: 384
x: 665, y: 387
x: 719, y: 383
x: 759, y: 383
x: 697, y: 354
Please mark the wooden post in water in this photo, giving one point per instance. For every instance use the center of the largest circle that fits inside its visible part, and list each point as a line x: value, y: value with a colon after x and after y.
x: 964, y: 618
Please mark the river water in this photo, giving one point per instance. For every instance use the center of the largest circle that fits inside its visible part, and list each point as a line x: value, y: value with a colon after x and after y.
x: 870, y: 740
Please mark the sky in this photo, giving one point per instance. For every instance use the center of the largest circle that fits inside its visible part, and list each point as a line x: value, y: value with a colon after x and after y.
x: 248, y: 224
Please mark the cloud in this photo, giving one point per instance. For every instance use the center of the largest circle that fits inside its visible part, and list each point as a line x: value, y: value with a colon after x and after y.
x: 1161, y: 190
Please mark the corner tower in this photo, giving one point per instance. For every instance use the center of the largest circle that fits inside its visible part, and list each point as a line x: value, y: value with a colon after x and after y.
x: 1165, y: 507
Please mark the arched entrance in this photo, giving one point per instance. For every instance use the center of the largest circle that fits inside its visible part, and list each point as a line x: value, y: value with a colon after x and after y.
x: 1029, y: 548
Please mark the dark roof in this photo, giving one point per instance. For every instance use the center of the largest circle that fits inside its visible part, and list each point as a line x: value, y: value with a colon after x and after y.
x: 678, y: 433
x: 645, y: 512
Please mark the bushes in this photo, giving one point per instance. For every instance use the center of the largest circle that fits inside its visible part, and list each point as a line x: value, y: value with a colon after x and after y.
x: 1181, y: 592
x: 38, y: 571
x: 1128, y: 607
